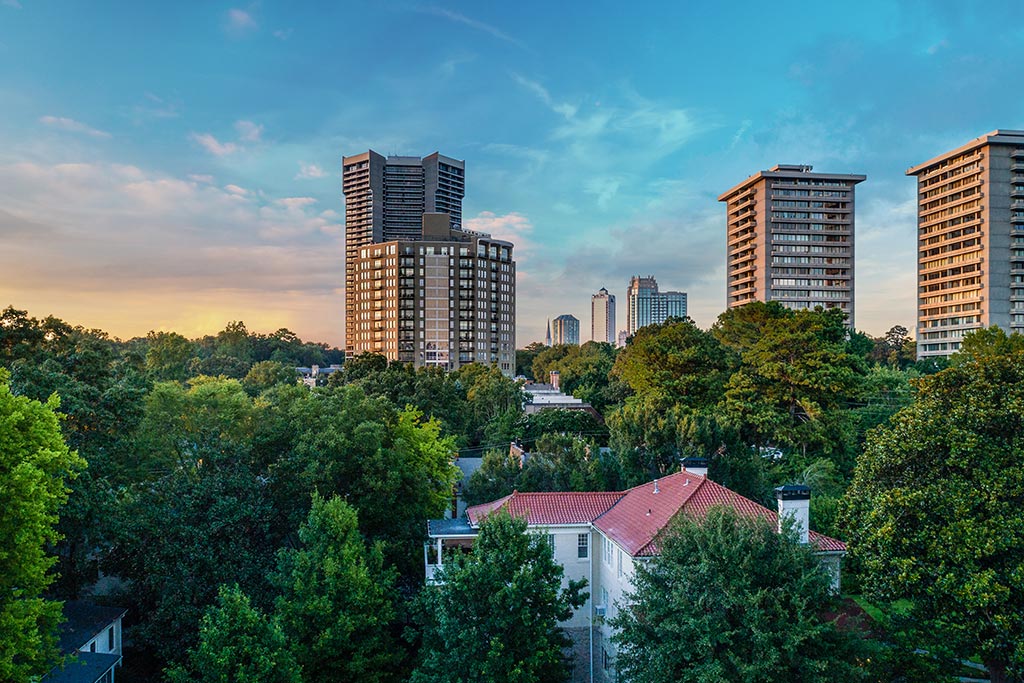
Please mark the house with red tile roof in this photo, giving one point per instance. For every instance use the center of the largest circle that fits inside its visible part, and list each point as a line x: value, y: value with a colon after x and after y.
x: 602, y: 536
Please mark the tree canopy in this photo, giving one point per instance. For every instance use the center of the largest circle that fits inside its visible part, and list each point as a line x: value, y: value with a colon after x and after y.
x: 936, y: 508
x: 35, y: 468
x: 731, y: 599
x: 496, y: 611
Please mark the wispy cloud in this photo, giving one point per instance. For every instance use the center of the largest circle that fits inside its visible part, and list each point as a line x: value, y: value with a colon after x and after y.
x: 295, y: 202
x: 73, y: 126
x: 564, y: 108
x: 475, y: 24
x: 309, y: 171
x: 213, y: 145
x: 11, y: 3
x: 284, y: 33
x: 240, y: 22
x: 236, y: 190
x: 249, y: 131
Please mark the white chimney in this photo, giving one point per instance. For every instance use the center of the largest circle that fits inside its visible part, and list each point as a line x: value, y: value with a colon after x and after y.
x: 696, y: 466
x: 795, y: 503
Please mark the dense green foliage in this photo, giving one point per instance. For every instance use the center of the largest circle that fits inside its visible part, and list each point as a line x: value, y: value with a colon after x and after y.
x: 205, y: 457
x: 730, y: 599
x: 494, y: 618
x: 335, y: 600
x: 237, y: 642
x: 35, y: 468
x: 936, y: 508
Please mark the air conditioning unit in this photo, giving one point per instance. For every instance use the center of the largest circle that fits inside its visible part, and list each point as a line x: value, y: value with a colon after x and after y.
x: 600, y: 610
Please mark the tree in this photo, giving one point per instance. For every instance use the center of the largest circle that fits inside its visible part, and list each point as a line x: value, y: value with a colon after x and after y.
x: 168, y: 355
x: 266, y: 373
x: 524, y: 358
x: 237, y: 642
x: 35, y: 468
x: 335, y: 600
x: 497, y: 610
x: 730, y: 599
x: 675, y: 363
x: 936, y: 509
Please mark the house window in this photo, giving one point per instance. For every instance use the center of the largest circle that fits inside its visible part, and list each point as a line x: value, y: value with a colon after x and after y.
x: 583, y: 546
x: 607, y: 551
x: 551, y: 543
x: 110, y: 639
x: 604, y: 598
x: 92, y: 646
x: 620, y: 562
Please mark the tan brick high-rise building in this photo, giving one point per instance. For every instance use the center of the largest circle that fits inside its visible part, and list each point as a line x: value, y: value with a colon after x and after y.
x: 970, y: 241
x: 791, y: 239
x: 386, y: 197
x: 445, y: 298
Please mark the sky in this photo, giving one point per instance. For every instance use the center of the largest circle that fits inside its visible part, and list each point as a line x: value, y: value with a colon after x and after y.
x: 176, y: 166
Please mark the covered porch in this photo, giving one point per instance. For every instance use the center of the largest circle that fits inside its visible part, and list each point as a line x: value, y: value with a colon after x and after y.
x: 445, y: 538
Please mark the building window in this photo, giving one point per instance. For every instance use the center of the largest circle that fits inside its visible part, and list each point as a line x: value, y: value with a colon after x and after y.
x: 551, y: 543
x: 604, y: 598
x: 92, y: 646
x: 583, y: 546
x: 607, y: 551
x: 620, y: 563
x: 110, y: 639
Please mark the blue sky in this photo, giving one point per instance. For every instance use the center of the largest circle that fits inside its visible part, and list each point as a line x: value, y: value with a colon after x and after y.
x: 176, y: 165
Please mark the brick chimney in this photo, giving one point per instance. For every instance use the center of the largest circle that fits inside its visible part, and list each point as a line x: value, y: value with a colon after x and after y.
x: 795, y: 503
x: 555, y: 381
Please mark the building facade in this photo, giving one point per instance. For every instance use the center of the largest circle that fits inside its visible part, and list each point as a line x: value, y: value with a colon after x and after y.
x: 385, y: 199
x: 566, y: 330
x: 645, y: 305
x: 790, y: 238
x: 443, y: 299
x: 970, y: 241
x: 602, y: 537
x: 602, y: 317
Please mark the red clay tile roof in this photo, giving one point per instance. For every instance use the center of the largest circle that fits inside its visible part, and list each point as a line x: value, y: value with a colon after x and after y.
x: 635, y: 517
x: 548, y: 508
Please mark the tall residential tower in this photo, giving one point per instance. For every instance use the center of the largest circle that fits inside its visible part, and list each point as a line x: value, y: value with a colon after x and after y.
x: 645, y: 305
x: 970, y: 241
x: 602, y: 317
x: 385, y: 199
x: 443, y: 299
x: 790, y: 239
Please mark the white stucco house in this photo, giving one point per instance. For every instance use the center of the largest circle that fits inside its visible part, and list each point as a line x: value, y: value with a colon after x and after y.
x: 602, y: 536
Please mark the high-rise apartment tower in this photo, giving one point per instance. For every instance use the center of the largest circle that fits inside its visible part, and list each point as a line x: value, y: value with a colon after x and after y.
x: 602, y: 317
x: 790, y: 239
x: 566, y: 330
x: 970, y: 241
x: 645, y: 305
x: 443, y: 299
x: 385, y: 199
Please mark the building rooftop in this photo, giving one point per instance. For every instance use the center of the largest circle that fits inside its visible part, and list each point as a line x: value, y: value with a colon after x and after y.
x: 84, y: 667
x: 789, y: 171
x: 995, y: 137
x: 548, y: 508
x: 636, y: 517
x: 83, y: 621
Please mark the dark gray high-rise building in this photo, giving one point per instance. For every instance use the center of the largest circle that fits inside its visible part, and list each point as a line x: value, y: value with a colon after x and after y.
x: 385, y: 199
x: 566, y: 330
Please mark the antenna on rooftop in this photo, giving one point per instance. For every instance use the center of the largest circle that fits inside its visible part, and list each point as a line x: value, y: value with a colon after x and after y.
x: 656, y: 486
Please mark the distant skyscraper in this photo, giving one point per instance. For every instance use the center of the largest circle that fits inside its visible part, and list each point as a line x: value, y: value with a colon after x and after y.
x: 443, y: 299
x: 970, y: 241
x: 385, y: 199
x: 566, y: 330
x: 645, y: 305
x: 602, y: 317
x: 547, y: 334
x: 790, y: 239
